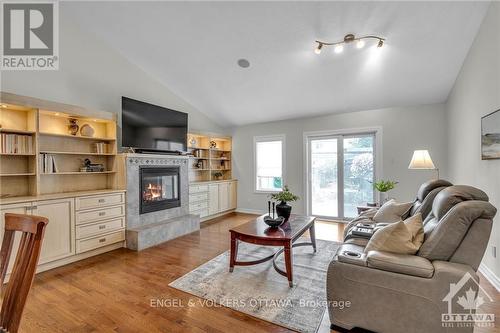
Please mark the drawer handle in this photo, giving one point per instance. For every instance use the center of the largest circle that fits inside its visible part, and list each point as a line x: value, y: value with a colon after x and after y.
x: 102, y: 240
x: 102, y: 200
x: 102, y: 227
x: 102, y: 213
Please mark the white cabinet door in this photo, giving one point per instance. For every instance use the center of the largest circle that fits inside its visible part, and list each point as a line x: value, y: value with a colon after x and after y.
x: 213, y: 199
x: 233, y: 195
x: 223, y: 197
x: 20, y: 208
x: 59, y: 238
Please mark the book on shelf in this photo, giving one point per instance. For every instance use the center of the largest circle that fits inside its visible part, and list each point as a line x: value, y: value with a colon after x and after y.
x: 48, y: 163
x: 16, y: 144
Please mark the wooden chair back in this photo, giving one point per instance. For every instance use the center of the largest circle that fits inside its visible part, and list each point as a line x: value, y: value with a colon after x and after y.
x: 32, y: 229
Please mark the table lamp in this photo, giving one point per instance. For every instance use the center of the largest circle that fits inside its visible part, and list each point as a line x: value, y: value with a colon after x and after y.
x: 421, y: 160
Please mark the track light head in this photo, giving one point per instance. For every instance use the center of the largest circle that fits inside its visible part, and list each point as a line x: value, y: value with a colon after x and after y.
x: 318, y: 48
x: 380, y: 43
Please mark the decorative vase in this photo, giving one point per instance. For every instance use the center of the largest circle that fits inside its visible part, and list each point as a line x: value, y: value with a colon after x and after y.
x: 87, y: 130
x: 73, y: 127
x: 282, y: 209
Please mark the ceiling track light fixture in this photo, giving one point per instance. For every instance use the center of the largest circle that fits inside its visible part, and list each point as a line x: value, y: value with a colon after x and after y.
x: 349, y: 38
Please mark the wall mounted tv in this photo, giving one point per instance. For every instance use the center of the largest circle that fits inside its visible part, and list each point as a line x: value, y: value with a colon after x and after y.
x: 151, y: 128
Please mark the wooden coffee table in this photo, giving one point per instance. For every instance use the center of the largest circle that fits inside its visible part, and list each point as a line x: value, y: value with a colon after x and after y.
x: 258, y: 232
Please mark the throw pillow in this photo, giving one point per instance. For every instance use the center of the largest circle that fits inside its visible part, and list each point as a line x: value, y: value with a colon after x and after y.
x: 392, y: 211
x: 416, y: 226
x: 404, y: 237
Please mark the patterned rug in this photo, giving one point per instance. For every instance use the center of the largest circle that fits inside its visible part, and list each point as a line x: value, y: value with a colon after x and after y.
x: 263, y: 293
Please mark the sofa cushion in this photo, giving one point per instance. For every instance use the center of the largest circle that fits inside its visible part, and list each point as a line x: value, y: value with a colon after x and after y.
x: 401, y: 237
x: 392, y: 211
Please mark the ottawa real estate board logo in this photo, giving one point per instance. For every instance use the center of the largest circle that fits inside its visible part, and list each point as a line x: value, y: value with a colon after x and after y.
x: 464, y: 302
x: 30, y: 33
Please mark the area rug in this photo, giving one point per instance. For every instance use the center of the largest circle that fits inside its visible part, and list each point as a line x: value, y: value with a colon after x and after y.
x: 263, y: 293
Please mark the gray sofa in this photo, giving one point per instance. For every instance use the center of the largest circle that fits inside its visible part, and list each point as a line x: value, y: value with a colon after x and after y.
x: 404, y: 293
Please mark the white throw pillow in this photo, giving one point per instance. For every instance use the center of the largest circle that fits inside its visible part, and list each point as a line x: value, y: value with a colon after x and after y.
x: 403, y: 237
x: 392, y: 211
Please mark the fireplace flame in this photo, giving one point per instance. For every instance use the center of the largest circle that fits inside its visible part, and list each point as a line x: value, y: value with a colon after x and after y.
x: 152, y: 192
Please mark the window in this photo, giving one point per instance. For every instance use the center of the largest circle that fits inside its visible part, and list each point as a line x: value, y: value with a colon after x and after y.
x: 341, y: 169
x: 269, y: 157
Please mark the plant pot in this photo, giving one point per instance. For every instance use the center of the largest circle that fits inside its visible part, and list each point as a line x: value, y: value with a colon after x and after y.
x: 382, y: 197
x: 282, y: 209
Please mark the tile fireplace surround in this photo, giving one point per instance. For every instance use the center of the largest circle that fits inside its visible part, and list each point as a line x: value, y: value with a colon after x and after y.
x: 149, y: 229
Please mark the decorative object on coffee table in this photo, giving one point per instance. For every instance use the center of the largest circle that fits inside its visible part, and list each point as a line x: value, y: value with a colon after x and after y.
x: 73, y: 126
x: 87, y: 130
x: 273, y: 221
x: 283, y: 209
x: 384, y: 186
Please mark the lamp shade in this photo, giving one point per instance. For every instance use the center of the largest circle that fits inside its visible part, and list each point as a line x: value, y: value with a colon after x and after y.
x: 421, y: 160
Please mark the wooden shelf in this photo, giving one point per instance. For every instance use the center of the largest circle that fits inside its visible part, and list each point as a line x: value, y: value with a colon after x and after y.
x: 200, y: 148
x: 15, y: 131
x: 75, y: 153
x: 194, y: 169
x: 76, y: 173
x: 8, y: 154
x: 17, y: 174
x: 220, y: 159
x: 94, y: 138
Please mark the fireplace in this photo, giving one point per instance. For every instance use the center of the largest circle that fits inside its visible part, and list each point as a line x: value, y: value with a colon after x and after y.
x: 159, y: 188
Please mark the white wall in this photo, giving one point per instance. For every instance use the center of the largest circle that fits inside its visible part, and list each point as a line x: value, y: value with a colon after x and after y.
x: 404, y: 130
x: 475, y: 94
x: 93, y: 75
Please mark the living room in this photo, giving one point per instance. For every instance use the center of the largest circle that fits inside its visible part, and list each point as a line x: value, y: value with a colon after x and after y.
x: 258, y: 166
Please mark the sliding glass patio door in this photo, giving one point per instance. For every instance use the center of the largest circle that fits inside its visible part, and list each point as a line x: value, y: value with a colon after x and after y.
x: 340, y: 171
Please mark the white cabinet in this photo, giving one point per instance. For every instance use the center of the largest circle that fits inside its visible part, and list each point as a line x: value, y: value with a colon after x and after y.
x: 223, y: 197
x: 233, y: 196
x: 213, y: 199
x: 59, y: 239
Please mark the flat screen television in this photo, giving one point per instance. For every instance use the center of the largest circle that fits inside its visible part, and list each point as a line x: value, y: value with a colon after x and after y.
x: 147, y: 127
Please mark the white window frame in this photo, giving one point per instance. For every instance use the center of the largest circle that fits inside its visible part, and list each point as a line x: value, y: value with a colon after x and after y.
x: 377, y: 150
x: 267, y: 138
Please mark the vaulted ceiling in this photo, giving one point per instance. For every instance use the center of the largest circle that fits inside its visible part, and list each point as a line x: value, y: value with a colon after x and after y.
x: 193, y: 48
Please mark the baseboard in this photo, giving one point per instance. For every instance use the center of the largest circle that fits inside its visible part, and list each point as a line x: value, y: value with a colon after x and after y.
x: 490, y: 276
x: 249, y: 211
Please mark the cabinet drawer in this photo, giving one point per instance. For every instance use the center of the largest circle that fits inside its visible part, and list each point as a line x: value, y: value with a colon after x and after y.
x: 198, y: 188
x: 99, y: 214
x: 201, y: 212
x: 198, y: 205
x: 195, y: 197
x: 93, y: 229
x: 100, y: 201
x: 88, y: 244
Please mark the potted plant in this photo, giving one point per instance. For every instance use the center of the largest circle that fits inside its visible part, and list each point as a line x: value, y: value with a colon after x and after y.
x: 384, y: 186
x: 282, y: 209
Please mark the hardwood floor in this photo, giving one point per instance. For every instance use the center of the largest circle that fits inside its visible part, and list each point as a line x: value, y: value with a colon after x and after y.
x: 113, y: 292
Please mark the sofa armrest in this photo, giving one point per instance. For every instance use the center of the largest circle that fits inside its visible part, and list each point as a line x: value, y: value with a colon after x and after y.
x: 400, y: 263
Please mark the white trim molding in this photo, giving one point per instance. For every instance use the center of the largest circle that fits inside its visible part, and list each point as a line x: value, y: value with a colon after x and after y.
x: 266, y: 138
x: 490, y: 276
x: 249, y: 211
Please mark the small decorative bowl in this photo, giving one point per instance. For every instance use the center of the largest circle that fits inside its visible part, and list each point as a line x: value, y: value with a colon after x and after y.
x: 274, y: 223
